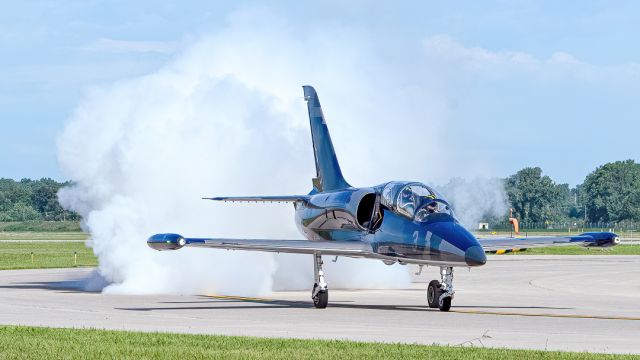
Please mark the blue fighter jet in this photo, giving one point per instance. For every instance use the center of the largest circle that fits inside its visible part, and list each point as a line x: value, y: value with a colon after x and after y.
x: 401, y: 222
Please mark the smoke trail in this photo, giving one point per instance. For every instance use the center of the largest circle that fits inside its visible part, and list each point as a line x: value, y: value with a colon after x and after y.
x: 226, y: 117
x: 143, y: 153
x: 476, y: 199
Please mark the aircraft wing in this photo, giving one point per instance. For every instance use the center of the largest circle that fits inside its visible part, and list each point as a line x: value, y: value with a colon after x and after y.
x: 339, y: 248
x: 509, y: 244
x: 284, y: 198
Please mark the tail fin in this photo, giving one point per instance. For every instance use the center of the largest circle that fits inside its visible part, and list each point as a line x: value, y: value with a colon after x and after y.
x: 328, y: 174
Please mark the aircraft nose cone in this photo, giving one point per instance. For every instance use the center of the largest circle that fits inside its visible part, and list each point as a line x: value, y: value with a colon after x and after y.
x: 474, y: 256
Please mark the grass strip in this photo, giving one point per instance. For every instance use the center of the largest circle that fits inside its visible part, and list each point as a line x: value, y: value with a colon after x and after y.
x: 41, y: 226
x: 625, y: 249
x: 39, y: 235
x: 62, y: 254
x: 18, y: 342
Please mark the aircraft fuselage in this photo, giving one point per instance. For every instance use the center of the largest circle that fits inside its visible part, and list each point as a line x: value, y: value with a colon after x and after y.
x: 349, y: 215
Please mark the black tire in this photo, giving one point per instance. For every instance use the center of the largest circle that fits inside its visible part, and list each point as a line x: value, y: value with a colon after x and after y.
x: 446, y: 304
x: 433, y: 294
x: 321, y: 300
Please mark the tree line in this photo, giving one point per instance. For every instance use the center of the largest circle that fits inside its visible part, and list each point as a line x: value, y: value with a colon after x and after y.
x: 609, y: 194
x: 28, y: 199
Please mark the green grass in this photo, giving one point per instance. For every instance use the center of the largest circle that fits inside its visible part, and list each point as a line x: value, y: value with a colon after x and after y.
x: 580, y: 250
x: 33, y: 235
x: 40, y: 226
x: 17, y: 255
x: 557, y: 232
x: 17, y: 342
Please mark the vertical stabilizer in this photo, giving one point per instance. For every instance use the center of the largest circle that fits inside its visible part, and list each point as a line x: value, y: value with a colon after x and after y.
x: 329, y: 177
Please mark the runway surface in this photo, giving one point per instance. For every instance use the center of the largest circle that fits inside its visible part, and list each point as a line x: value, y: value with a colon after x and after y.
x: 577, y: 303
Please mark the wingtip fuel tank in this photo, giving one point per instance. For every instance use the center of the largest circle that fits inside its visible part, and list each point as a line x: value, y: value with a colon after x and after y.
x: 162, y: 242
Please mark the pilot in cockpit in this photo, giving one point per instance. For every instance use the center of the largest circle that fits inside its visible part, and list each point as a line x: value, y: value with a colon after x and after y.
x: 407, y: 200
x: 432, y: 207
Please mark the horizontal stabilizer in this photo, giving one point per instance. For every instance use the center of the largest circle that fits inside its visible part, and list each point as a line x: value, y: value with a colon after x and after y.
x: 285, y: 198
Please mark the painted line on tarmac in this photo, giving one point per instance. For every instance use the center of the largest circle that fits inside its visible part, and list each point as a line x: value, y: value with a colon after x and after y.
x: 261, y: 300
x: 570, y: 316
x: 471, y: 312
x: 231, y: 297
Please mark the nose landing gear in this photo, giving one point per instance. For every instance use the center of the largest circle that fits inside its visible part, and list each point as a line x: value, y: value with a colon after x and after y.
x: 440, y: 294
x: 320, y: 292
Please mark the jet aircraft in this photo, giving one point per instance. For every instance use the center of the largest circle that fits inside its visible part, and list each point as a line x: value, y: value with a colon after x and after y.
x: 401, y: 222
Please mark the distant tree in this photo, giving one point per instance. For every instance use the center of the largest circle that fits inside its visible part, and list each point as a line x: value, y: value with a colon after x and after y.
x: 612, y: 192
x: 32, y: 199
x: 22, y: 212
x: 576, y: 210
x: 13, y: 192
x: 44, y: 198
x: 537, y: 198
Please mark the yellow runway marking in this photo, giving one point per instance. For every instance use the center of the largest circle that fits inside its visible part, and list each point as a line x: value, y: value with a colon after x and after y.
x: 256, y: 299
x: 570, y: 316
x: 231, y: 297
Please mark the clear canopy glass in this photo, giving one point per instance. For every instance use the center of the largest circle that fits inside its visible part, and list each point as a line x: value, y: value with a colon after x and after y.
x: 414, y: 200
x: 432, y: 207
x: 411, y: 197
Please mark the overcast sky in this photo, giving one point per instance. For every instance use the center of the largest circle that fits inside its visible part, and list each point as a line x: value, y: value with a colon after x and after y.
x: 550, y: 84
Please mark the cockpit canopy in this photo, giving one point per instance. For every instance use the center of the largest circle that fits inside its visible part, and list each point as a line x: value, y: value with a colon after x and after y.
x: 414, y: 200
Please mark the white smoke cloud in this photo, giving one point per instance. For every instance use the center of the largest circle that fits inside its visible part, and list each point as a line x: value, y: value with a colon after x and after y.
x: 476, y: 199
x: 226, y: 117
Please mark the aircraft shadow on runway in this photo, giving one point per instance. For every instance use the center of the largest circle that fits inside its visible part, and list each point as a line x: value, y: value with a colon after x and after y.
x: 244, y: 304
x: 77, y: 286
x: 67, y: 286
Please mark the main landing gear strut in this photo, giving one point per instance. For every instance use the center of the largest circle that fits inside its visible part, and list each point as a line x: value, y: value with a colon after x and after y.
x: 320, y: 293
x: 440, y: 294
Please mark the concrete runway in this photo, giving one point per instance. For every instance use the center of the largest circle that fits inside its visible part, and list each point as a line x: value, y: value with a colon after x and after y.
x: 578, y: 303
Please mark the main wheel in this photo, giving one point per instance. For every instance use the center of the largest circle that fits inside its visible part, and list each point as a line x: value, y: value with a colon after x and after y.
x: 445, y: 304
x: 433, y: 294
x: 321, y: 299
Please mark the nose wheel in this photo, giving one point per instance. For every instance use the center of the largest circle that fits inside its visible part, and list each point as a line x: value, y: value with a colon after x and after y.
x: 440, y: 294
x: 320, y: 292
